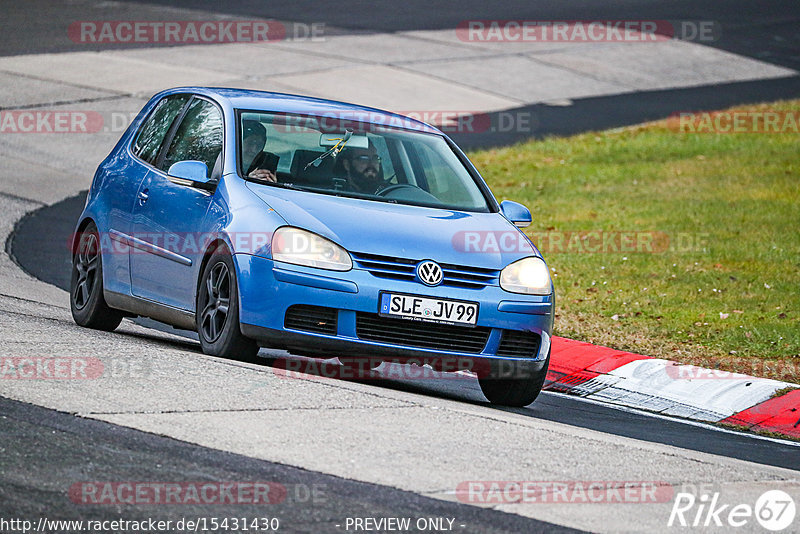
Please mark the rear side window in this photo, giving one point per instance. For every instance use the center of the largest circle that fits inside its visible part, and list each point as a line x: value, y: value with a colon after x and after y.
x: 155, y: 128
x: 199, y: 137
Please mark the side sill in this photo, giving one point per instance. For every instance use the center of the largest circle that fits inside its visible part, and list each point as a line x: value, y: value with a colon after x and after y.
x: 147, y: 308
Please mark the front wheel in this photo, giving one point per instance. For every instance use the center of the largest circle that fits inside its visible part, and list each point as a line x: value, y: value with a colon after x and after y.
x: 217, y: 316
x: 514, y: 383
x: 86, y: 301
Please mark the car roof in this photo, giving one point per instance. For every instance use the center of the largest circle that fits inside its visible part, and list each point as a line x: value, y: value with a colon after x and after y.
x: 304, y: 105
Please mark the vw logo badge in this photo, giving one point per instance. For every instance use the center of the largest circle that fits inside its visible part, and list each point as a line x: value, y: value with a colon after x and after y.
x: 430, y: 273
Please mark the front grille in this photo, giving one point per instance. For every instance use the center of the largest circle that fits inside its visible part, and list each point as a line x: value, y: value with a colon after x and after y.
x: 373, y: 327
x: 316, y: 319
x: 517, y: 344
x: 404, y: 269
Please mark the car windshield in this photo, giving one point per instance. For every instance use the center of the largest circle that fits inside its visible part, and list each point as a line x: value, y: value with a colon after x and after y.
x: 356, y: 159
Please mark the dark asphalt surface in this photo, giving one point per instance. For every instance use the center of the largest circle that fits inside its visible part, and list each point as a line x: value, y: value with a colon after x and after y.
x: 764, y: 30
x: 44, y: 453
x: 605, y: 112
x: 39, y: 245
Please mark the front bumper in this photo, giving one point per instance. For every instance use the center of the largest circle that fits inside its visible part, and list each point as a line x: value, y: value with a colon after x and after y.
x: 268, y: 288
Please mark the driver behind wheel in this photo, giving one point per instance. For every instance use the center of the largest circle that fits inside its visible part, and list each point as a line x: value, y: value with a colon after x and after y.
x: 362, y: 169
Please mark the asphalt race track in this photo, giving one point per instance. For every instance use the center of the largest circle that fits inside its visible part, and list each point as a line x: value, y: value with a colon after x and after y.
x: 380, y: 447
x: 313, y: 502
x: 766, y: 31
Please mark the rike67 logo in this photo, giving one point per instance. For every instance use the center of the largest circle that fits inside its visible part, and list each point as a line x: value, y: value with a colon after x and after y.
x: 774, y: 510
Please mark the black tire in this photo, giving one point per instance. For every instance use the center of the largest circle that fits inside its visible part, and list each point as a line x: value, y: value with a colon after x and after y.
x: 514, y: 383
x: 217, y: 315
x: 86, y: 301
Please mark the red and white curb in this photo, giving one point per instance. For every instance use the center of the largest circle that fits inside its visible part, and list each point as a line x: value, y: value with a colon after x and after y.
x: 669, y: 388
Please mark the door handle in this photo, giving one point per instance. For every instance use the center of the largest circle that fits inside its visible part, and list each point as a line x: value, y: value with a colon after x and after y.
x: 143, y: 196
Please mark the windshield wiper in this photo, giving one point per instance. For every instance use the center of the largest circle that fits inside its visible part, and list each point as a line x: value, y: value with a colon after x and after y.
x: 333, y: 151
x: 285, y: 185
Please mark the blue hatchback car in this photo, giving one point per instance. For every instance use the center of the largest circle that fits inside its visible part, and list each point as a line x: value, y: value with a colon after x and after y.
x: 323, y: 228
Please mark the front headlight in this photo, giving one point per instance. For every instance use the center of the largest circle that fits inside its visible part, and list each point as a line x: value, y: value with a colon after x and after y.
x: 528, y: 275
x: 293, y: 245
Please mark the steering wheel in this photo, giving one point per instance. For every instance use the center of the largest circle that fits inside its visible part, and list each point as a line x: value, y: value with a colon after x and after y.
x: 385, y: 182
x: 395, y: 187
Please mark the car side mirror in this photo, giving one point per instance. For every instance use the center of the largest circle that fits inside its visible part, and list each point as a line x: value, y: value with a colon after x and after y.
x: 515, y: 212
x: 190, y: 173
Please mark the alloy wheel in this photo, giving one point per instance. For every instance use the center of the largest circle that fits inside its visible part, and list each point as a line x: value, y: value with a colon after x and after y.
x: 217, y: 302
x: 86, y: 264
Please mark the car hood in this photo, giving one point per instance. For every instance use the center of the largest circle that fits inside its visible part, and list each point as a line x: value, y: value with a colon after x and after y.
x: 486, y: 240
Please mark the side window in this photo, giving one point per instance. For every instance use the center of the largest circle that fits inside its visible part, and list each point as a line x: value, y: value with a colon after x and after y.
x: 199, y: 137
x: 155, y: 128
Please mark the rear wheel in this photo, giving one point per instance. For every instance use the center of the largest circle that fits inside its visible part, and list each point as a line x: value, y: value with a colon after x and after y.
x: 514, y: 383
x: 86, y: 299
x: 217, y: 316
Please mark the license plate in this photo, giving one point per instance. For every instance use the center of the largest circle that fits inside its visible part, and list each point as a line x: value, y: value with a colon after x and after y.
x: 443, y: 311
